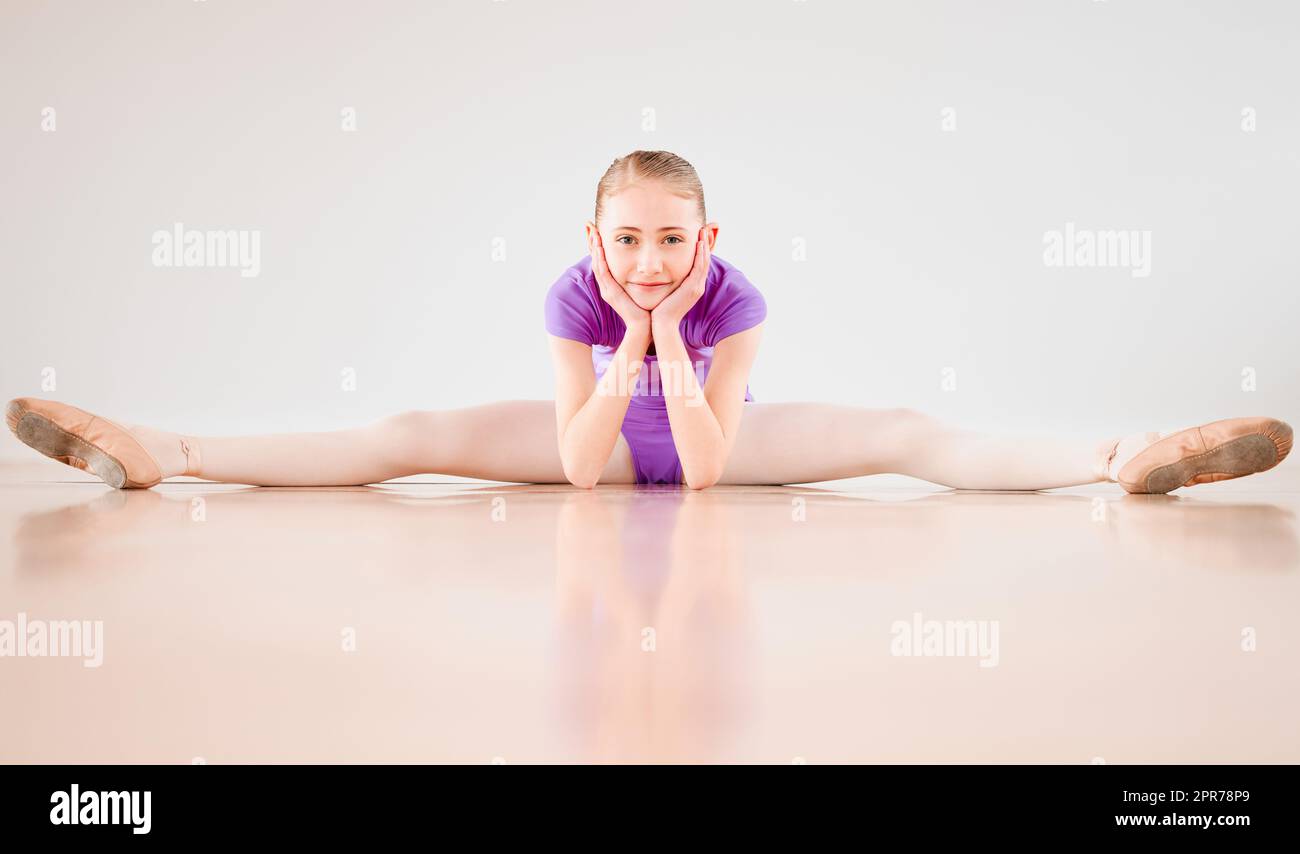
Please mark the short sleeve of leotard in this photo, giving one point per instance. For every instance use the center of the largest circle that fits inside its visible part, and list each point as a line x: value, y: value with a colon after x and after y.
x: 570, y: 311
x: 736, y: 306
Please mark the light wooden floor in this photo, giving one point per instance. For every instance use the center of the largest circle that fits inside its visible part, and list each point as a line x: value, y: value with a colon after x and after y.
x: 454, y: 622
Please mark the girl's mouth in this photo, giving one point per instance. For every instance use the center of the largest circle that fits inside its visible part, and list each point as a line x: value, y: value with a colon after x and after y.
x: 650, y: 284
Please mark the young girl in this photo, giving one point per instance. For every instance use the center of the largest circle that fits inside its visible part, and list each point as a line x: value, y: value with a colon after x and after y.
x: 653, y: 338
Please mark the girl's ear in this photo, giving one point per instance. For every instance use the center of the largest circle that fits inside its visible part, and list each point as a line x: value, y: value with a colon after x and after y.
x: 711, y: 235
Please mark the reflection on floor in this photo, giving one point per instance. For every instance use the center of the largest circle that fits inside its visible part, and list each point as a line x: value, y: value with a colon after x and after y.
x: 458, y: 622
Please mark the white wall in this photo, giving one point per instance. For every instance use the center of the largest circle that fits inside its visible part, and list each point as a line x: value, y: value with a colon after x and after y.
x: 480, y: 120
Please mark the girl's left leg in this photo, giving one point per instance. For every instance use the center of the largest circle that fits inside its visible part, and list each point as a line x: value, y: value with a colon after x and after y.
x: 780, y: 443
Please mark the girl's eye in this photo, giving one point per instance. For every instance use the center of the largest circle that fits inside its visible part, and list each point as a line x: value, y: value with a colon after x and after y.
x: 619, y: 239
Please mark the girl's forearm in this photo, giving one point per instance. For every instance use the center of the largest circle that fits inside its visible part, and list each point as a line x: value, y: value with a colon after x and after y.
x: 593, y: 430
x: 696, y: 431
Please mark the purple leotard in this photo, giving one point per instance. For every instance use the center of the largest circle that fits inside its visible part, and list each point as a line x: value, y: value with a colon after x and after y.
x: 575, y: 309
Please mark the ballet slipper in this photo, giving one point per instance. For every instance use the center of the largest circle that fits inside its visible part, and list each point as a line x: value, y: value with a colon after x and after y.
x: 1220, y: 450
x: 88, y: 442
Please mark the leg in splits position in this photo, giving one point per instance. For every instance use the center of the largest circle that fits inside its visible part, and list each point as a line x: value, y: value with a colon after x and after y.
x: 778, y: 443
x: 781, y: 443
x: 512, y: 440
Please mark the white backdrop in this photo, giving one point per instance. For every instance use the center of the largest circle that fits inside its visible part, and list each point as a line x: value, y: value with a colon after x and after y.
x: 885, y: 173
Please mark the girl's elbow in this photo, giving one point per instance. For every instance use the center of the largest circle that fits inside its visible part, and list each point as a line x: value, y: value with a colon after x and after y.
x: 580, y: 476
x: 701, y: 480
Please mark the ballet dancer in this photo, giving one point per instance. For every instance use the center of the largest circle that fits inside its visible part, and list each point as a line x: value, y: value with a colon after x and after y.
x: 652, y: 338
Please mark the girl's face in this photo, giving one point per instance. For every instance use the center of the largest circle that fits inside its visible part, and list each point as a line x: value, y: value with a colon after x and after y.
x: 649, y: 236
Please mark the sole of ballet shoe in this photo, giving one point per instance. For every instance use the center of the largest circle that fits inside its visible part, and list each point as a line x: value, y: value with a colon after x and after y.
x: 1221, y: 450
x: 84, y: 441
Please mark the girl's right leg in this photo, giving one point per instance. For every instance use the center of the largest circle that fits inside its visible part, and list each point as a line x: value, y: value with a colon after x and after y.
x: 513, y: 441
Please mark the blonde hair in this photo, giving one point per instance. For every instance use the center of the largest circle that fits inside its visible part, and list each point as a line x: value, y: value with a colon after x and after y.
x: 675, y: 174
